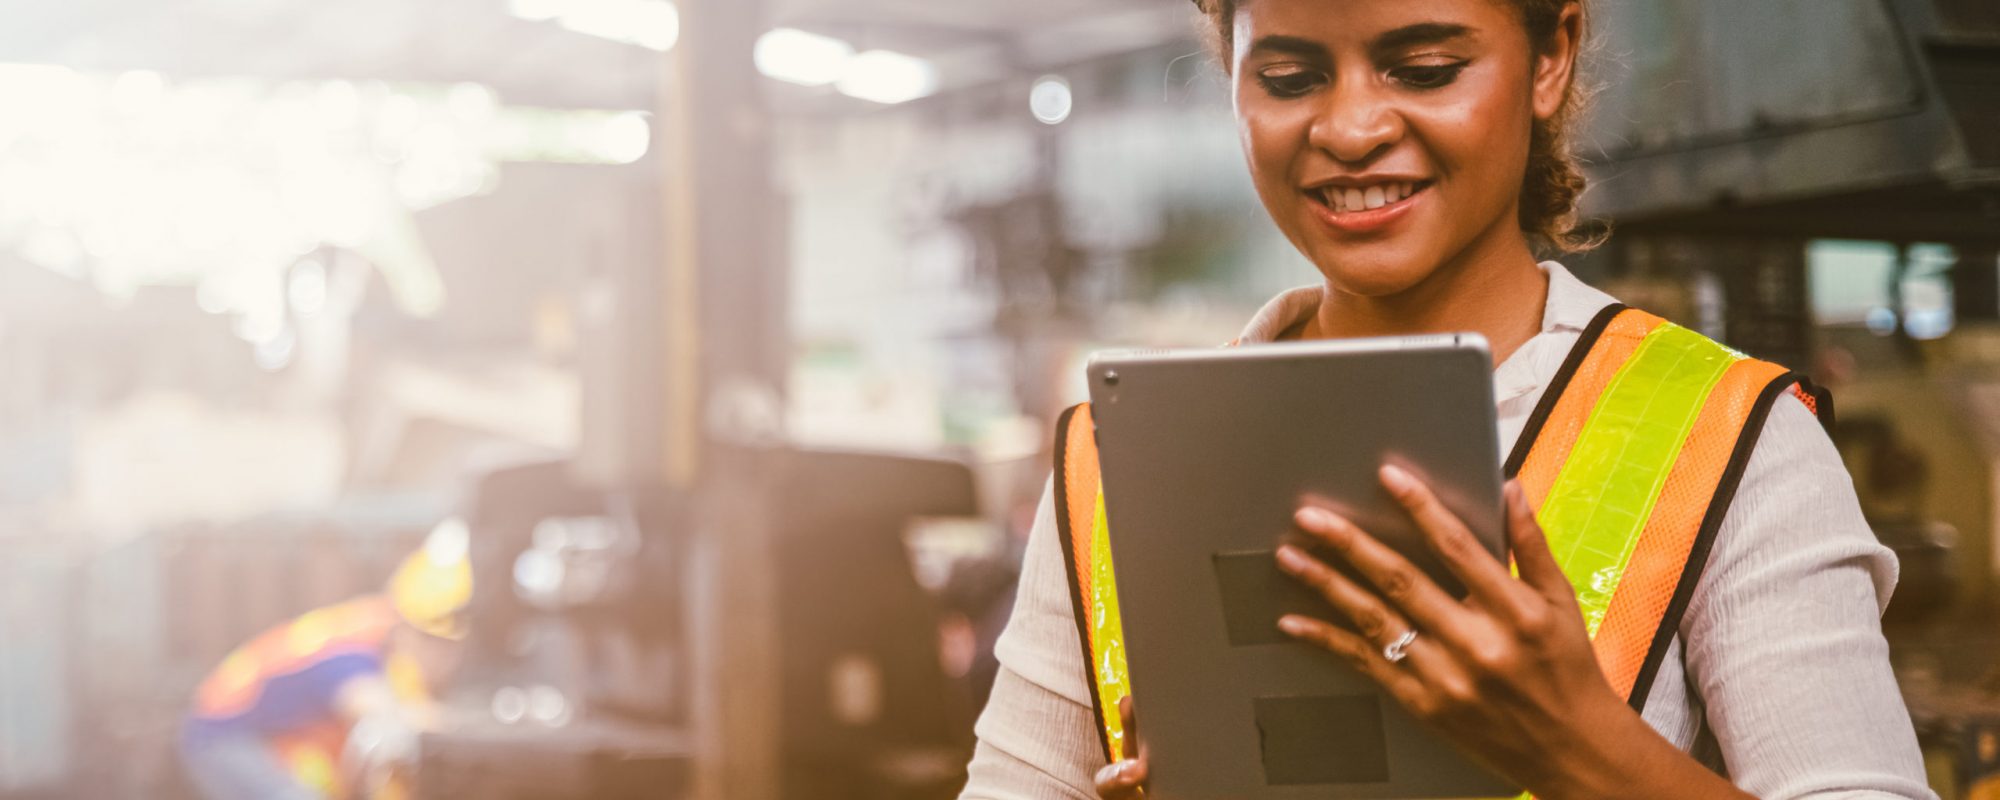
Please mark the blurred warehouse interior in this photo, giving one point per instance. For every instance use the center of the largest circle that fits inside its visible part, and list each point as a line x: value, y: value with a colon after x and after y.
x: 734, y: 329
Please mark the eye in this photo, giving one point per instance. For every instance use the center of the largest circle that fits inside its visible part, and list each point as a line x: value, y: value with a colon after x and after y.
x: 1428, y: 76
x: 1289, y: 81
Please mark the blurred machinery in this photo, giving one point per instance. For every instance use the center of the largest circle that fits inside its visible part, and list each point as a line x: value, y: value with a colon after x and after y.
x: 573, y: 686
x: 1868, y: 119
x: 579, y: 684
x: 1873, y: 121
x: 868, y: 707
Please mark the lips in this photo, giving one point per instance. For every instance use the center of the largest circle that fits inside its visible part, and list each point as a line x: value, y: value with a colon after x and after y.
x: 1349, y: 199
x: 1366, y: 208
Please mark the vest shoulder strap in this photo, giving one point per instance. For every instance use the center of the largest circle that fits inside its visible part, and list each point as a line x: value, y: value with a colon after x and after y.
x: 1086, y: 551
x: 1631, y: 460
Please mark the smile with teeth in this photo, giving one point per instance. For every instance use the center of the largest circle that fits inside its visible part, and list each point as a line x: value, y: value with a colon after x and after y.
x: 1366, y: 198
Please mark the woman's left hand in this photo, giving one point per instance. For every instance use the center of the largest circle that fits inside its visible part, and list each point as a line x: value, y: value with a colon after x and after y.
x: 1507, y: 673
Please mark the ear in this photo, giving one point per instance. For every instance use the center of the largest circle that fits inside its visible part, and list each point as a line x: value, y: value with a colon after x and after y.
x: 1555, y: 65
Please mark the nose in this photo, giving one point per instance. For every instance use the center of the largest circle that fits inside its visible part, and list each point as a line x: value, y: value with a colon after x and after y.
x: 1355, y: 123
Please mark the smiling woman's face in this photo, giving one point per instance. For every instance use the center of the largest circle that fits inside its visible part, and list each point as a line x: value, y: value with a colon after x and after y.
x: 1388, y: 138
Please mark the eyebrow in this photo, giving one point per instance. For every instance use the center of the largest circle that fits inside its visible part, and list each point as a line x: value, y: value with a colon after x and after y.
x: 1293, y: 45
x: 1419, y: 34
x: 1407, y: 36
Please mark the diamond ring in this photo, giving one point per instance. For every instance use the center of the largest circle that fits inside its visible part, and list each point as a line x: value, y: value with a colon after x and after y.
x: 1400, y: 649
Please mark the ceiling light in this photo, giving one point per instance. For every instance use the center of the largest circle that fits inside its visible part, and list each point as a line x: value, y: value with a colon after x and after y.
x: 1051, y: 100
x: 807, y: 59
x: 625, y: 138
x: 536, y: 10
x: 653, y: 24
x: 888, y: 77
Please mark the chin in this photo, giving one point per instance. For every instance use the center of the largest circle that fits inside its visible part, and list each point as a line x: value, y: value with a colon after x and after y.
x: 1372, y: 271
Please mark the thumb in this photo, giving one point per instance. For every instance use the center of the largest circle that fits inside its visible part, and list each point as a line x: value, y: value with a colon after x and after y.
x: 1127, y: 720
x: 1537, y: 565
x: 1124, y: 780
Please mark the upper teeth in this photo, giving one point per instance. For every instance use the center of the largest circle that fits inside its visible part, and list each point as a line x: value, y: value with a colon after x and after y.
x: 1377, y: 196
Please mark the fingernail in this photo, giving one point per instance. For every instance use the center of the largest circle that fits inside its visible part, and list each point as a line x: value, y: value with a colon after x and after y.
x: 1291, y: 558
x: 1395, y: 478
x: 1312, y: 518
x: 1292, y: 625
x: 1118, y: 772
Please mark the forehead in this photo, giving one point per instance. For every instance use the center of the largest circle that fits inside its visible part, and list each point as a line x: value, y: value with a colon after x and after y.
x: 1359, y: 21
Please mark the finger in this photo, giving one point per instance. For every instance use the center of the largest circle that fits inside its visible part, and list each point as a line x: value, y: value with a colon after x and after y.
x: 1373, y: 618
x: 1531, y: 549
x: 1396, y: 580
x: 1447, y: 535
x: 1125, y: 778
x: 1128, y: 715
x: 1362, y: 654
x: 1122, y: 780
x: 1376, y: 623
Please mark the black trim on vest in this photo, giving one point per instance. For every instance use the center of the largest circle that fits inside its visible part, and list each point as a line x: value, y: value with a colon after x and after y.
x: 1557, y: 385
x: 1071, y: 573
x: 1822, y: 402
x: 1711, y: 523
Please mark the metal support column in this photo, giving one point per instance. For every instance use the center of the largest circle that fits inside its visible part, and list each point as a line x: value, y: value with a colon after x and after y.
x: 723, y: 310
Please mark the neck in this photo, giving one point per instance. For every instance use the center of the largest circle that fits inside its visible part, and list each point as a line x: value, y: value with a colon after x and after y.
x: 1493, y: 288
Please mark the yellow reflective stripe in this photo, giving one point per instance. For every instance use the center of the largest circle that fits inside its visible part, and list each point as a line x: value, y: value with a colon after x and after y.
x: 1107, y: 631
x: 1602, y: 496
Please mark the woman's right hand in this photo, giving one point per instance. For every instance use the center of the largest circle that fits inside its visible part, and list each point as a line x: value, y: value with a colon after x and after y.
x: 1126, y: 779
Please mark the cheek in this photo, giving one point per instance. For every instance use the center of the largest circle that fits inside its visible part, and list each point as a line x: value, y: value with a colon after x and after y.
x: 1272, y: 141
x: 1480, y: 142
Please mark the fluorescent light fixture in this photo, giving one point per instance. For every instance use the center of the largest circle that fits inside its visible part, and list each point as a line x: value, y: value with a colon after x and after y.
x: 563, y: 136
x: 1051, y: 100
x: 653, y: 24
x: 537, y: 10
x: 888, y: 77
x: 624, y: 138
x: 807, y: 59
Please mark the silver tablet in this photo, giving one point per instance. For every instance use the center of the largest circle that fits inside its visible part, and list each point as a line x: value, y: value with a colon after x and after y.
x: 1205, y: 455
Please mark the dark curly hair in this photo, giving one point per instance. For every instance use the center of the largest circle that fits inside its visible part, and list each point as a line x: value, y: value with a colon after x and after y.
x: 1554, y: 180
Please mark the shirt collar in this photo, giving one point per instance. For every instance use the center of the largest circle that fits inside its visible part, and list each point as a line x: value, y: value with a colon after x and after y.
x: 1570, y: 306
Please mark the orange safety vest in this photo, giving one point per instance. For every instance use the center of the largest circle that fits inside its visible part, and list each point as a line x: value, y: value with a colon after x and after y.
x: 311, y: 753
x: 1630, y: 459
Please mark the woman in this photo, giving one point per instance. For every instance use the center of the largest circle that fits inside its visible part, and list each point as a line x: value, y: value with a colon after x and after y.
x: 1414, y: 151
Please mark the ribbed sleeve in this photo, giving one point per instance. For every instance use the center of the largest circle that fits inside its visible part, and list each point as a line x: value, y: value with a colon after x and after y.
x: 1037, y: 740
x: 1782, y: 640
